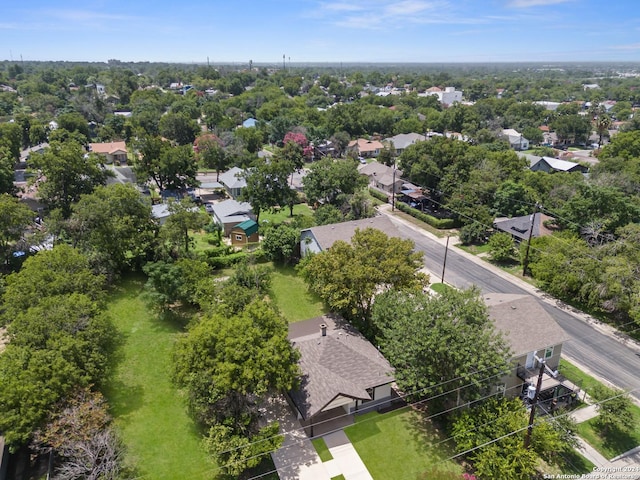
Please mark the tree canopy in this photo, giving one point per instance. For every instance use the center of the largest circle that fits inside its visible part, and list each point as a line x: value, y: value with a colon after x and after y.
x: 349, y: 275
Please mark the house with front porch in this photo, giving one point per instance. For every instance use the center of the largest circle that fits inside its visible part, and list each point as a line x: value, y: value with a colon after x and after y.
x: 382, y: 177
x: 342, y: 372
x: 533, y: 335
x: 233, y: 181
x: 365, y: 148
x: 111, y: 152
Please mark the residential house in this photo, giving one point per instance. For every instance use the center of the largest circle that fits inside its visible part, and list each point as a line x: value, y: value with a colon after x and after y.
x: 318, y: 239
x: 382, y: 177
x: 552, y: 165
x: 515, y: 139
x: 161, y: 212
x: 448, y: 96
x: 530, y: 332
x: 365, y: 148
x: 342, y: 372
x: 403, y: 140
x: 249, y: 123
x: 233, y: 181
x: 520, y: 227
x: 553, y: 106
x: 230, y: 213
x: 244, y: 233
x: 112, y: 152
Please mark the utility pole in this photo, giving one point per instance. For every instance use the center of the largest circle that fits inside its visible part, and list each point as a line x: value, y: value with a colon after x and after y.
x: 444, y: 264
x: 534, y: 402
x: 525, y: 262
x: 393, y: 188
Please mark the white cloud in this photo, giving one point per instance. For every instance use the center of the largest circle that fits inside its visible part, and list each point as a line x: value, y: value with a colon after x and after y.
x: 630, y: 46
x: 377, y: 14
x: 534, y: 3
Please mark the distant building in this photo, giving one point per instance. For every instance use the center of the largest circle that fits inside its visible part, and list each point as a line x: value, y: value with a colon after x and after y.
x: 112, y: 152
x: 516, y: 140
x: 448, y: 96
x: 404, y: 140
x: 365, y: 148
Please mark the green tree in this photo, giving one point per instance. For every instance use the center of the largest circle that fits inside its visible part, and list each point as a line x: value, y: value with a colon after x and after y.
x: 228, y: 365
x: 348, y: 276
x: 280, y: 243
x: 113, y: 226
x: 15, y: 217
x: 512, y: 199
x: 66, y: 174
x: 267, y: 186
x: 501, y: 247
x: 179, y: 128
x: 327, y: 214
x: 183, y: 216
x: 211, y: 153
x: 50, y: 273
x: 506, y: 458
x: 614, y: 410
x: 170, y: 168
x: 74, y: 122
x: 11, y: 138
x: 456, y: 370
x: 7, y: 173
x: 329, y: 180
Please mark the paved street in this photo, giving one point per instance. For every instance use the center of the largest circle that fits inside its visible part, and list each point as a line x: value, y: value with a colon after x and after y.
x: 594, y: 351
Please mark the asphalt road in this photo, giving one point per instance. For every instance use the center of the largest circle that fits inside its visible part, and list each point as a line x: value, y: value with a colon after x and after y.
x: 597, y: 353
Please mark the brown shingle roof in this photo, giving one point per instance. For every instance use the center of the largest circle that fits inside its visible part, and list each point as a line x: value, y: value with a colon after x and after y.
x: 342, y: 363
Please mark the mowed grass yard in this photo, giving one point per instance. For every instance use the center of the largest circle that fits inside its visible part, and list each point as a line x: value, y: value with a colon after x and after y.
x: 398, y: 444
x: 290, y: 294
x: 161, y: 440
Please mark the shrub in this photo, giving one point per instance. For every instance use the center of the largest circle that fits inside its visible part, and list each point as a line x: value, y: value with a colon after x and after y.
x: 439, y: 223
x: 501, y: 247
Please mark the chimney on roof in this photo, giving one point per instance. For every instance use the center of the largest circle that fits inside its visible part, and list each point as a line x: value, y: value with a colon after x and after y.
x: 323, y: 329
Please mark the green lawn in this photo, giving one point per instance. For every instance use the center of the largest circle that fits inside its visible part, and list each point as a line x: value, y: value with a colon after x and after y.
x: 161, y: 440
x: 440, y: 287
x: 397, y: 444
x: 613, y: 444
x: 474, y: 249
x: 322, y: 449
x: 290, y: 294
x: 301, y: 209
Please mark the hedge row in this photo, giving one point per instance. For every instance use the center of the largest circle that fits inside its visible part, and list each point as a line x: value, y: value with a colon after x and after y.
x: 439, y: 223
x: 379, y: 195
x: 218, y: 258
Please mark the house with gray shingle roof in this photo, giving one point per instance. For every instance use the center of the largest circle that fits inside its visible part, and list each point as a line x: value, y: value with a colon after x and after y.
x: 233, y: 181
x: 317, y: 239
x: 382, y: 177
x: 342, y: 372
x: 530, y: 332
x: 520, y: 227
x: 404, y: 140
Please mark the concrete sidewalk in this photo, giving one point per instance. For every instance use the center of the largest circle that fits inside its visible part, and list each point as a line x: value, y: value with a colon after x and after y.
x: 346, y: 460
x: 296, y: 459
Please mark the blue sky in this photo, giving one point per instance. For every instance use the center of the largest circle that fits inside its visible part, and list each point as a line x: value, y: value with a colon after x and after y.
x: 321, y: 30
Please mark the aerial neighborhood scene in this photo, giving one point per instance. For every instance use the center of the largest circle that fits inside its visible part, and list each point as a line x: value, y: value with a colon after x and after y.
x: 320, y: 240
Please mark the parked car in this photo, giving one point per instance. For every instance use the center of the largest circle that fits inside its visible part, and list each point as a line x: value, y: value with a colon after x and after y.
x: 208, y: 207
